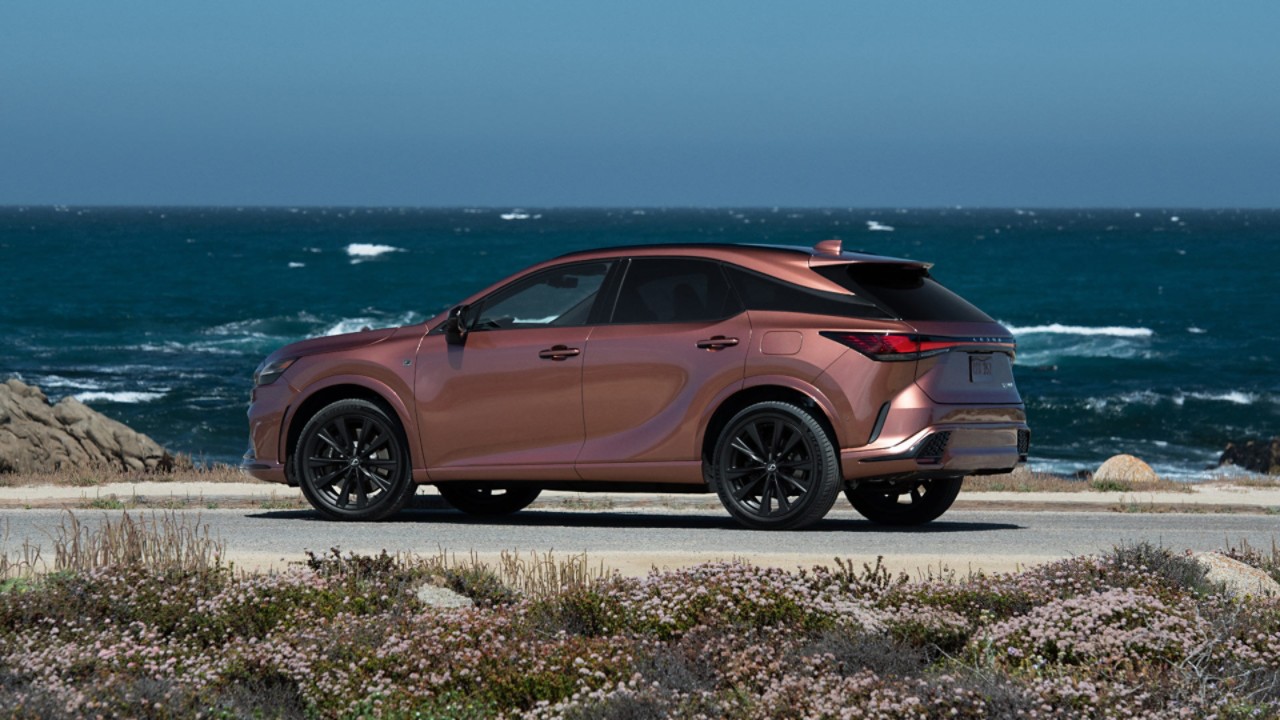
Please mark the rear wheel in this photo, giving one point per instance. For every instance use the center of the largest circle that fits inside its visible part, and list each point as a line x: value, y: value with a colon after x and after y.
x: 775, y: 467
x: 488, y: 499
x: 352, y: 462
x: 912, y: 502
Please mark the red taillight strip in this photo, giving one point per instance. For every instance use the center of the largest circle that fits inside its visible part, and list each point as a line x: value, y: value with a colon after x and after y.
x: 903, y: 346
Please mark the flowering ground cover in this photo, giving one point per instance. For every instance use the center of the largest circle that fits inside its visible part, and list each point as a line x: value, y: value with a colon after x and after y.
x: 1136, y: 633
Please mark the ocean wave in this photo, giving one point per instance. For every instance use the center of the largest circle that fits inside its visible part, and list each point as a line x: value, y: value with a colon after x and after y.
x: 877, y: 226
x: 1086, y: 331
x: 47, y: 382
x: 350, y: 325
x: 1151, y: 398
x: 1235, y: 397
x: 126, y: 396
x: 361, y: 252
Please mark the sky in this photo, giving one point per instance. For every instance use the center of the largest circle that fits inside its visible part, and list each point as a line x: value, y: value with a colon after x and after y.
x: 596, y: 103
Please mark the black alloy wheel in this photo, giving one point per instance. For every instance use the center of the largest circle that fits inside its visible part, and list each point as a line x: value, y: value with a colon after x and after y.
x: 352, y: 462
x: 913, y: 502
x: 476, y: 498
x: 775, y: 467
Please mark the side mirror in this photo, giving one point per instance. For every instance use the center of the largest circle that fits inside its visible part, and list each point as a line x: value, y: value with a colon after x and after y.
x: 455, y: 328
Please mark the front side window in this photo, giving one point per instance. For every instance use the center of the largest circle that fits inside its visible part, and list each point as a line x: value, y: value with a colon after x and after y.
x: 558, y: 297
x: 670, y: 290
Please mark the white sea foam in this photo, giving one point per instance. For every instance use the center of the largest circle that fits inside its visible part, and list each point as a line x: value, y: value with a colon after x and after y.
x: 1060, y: 329
x: 360, y: 252
x: 877, y: 226
x: 1235, y: 397
x: 515, y: 215
x: 297, y: 265
x: 1196, y: 331
x: 57, y: 381
x: 130, y: 397
x: 350, y: 325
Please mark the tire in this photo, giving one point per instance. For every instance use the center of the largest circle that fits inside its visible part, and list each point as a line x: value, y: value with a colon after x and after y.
x: 476, y: 498
x: 904, y: 503
x: 370, y: 481
x: 775, y: 467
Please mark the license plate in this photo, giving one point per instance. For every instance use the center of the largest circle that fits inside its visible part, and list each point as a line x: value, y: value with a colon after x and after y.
x: 980, y: 369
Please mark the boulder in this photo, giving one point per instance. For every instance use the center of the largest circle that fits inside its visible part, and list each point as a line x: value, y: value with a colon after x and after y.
x: 436, y: 596
x: 1125, y: 469
x: 1259, y: 456
x: 38, y: 437
x: 1238, y: 579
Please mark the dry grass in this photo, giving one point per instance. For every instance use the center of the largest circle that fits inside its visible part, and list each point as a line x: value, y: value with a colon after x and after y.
x: 186, y: 471
x: 1023, y: 480
x: 156, y: 543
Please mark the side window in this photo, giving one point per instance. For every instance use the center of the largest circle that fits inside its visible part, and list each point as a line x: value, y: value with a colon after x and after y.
x: 766, y: 293
x: 668, y: 290
x: 557, y: 297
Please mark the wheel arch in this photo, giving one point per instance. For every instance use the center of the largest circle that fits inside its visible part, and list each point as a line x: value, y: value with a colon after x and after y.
x: 765, y: 392
x: 348, y: 388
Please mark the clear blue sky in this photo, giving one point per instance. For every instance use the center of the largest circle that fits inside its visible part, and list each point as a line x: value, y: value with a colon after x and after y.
x: 1082, y: 103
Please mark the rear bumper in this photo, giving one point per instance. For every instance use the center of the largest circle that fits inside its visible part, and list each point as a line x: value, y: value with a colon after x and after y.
x: 943, y: 451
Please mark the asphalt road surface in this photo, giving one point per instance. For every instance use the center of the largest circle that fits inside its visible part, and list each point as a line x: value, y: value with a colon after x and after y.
x: 633, y: 540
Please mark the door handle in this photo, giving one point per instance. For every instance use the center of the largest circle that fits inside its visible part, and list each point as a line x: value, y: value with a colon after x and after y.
x: 719, y: 342
x: 558, y: 353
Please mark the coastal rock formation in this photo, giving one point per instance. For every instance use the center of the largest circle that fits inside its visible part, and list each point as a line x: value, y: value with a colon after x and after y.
x: 1125, y: 469
x: 1257, y: 455
x: 36, y: 436
x: 1239, y: 580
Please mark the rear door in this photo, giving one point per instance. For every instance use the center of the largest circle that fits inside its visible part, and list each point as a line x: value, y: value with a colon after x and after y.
x: 676, y: 342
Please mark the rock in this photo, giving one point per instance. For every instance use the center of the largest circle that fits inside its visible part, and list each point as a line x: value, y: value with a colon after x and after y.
x: 1238, y: 579
x: 437, y: 596
x: 1259, y: 456
x: 38, y: 437
x: 1125, y: 469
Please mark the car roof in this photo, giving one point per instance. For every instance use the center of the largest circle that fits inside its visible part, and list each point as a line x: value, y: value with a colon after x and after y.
x: 827, y: 252
x: 791, y: 263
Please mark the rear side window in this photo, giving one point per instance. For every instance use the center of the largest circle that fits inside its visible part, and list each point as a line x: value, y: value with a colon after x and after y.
x: 907, y: 291
x: 664, y: 290
x: 761, y: 292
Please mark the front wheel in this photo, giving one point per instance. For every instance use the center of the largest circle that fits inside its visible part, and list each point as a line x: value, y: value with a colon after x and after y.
x: 913, y: 502
x: 775, y: 467
x: 476, y: 498
x: 352, y: 462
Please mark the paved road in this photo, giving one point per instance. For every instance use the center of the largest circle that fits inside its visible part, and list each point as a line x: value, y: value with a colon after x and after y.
x: 632, y: 540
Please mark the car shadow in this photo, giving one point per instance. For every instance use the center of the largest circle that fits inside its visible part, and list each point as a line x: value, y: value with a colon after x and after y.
x: 634, y: 520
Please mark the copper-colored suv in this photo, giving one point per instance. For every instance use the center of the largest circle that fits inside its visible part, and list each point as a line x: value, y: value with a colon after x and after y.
x: 776, y: 377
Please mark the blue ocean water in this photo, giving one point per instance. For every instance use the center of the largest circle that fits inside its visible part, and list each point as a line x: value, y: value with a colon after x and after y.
x: 1146, y: 331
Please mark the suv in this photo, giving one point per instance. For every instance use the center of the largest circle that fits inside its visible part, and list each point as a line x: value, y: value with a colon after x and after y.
x: 776, y: 377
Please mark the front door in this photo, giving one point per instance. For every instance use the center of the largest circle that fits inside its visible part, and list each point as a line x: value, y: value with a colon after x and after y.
x: 508, y: 402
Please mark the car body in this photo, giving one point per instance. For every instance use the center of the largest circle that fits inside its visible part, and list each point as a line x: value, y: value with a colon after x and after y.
x: 777, y: 377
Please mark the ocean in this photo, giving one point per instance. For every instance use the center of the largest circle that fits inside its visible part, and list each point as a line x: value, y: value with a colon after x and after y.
x: 1147, y: 331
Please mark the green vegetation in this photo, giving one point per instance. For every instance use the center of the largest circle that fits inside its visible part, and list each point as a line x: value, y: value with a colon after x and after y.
x: 144, y: 619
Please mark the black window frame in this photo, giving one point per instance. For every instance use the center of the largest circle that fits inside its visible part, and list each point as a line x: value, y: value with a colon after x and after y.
x: 606, y: 288
x: 733, y: 297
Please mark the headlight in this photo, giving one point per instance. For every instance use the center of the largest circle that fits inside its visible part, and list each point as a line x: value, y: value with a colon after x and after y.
x: 268, y: 372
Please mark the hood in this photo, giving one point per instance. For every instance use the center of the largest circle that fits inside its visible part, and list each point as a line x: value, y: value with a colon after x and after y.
x: 331, y: 343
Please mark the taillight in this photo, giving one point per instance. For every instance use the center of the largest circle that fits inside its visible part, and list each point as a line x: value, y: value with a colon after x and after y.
x: 893, y: 347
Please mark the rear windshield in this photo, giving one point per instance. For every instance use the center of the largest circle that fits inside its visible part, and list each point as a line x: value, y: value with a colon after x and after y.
x: 907, y: 291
